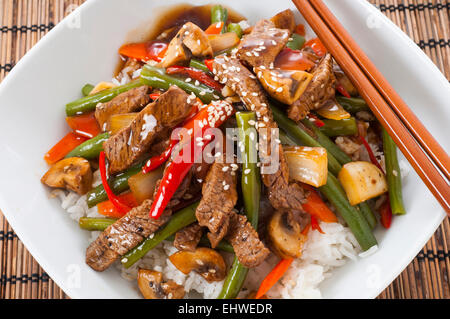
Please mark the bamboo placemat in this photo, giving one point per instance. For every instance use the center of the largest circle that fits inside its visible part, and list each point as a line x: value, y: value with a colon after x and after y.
x: 24, y: 22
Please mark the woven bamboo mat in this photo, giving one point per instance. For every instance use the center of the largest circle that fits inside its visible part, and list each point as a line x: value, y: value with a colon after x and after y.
x: 24, y: 22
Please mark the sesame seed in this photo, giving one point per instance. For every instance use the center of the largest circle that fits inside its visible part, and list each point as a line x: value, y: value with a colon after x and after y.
x: 225, y: 168
x: 279, y: 89
x: 188, y: 80
x: 226, y: 187
x: 247, y: 171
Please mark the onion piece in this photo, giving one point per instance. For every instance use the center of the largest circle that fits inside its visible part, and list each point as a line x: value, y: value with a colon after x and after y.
x: 333, y: 111
x: 118, y: 121
x: 308, y: 165
x: 220, y: 42
x: 143, y: 185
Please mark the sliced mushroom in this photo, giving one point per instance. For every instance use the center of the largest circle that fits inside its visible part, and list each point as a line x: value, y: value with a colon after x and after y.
x: 205, y: 261
x: 285, y: 86
x: 189, y: 41
x: 152, y: 286
x: 72, y: 173
x: 102, y: 86
x: 285, y: 235
x: 284, y: 20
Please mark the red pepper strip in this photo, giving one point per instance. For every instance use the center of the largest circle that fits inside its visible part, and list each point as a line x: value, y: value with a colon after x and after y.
x: 84, y: 125
x: 275, y: 275
x: 180, y: 166
x: 305, y: 230
x: 156, y: 161
x: 316, y: 121
x: 152, y: 50
x: 372, y: 157
x: 155, y: 96
x: 315, y: 206
x: 121, y: 207
x: 340, y: 88
x: 63, y: 147
x: 300, y: 29
x: 214, y: 28
x: 315, y: 225
x: 317, y: 46
x: 289, y: 59
x: 201, y: 76
x: 209, y: 64
x: 386, y: 214
x: 108, y: 209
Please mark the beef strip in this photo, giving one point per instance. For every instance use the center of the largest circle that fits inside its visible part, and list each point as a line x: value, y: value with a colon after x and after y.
x: 188, y: 238
x: 130, y: 230
x: 282, y: 194
x: 320, y: 89
x: 249, y: 249
x: 219, y: 196
x: 263, y: 44
x: 132, y: 142
x: 127, y: 102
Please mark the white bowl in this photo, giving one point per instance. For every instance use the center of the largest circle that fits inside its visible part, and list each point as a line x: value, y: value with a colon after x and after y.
x: 83, y: 48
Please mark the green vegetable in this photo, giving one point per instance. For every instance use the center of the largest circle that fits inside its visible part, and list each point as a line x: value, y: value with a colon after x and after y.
x: 368, y: 214
x: 181, y: 219
x: 393, y: 176
x: 236, y: 28
x: 359, y: 226
x: 199, y: 65
x: 251, y: 189
x: 87, y: 88
x: 285, y: 139
x: 352, y: 105
x: 99, y: 224
x: 157, y: 78
x: 91, y: 148
x: 88, y: 103
x: 118, y: 184
x: 297, y: 42
x: 222, y: 245
x: 339, y: 127
x: 219, y: 14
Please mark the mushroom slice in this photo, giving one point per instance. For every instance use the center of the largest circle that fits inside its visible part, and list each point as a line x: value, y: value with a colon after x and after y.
x: 285, y: 235
x: 205, y: 261
x: 283, y: 85
x: 284, y: 20
x: 189, y: 41
x: 152, y: 286
x: 72, y: 173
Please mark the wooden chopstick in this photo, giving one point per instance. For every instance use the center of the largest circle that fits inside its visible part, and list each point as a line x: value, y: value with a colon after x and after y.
x: 424, y: 167
x: 410, y: 120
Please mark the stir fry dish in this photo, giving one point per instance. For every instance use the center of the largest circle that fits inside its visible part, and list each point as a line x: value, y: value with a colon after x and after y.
x: 225, y: 159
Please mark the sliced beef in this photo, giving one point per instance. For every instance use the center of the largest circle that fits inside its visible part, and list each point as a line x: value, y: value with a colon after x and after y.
x: 263, y: 44
x: 284, y: 20
x: 249, y: 249
x: 320, y: 89
x: 189, y: 237
x: 127, y: 102
x: 132, y: 142
x: 219, y: 196
x: 282, y: 193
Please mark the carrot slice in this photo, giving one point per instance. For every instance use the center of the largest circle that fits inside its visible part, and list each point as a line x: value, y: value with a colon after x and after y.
x: 316, y: 207
x: 108, y: 209
x: 84, y: 125
x: 215, y: 28
x: 271, y: 279
x: 63, y: 147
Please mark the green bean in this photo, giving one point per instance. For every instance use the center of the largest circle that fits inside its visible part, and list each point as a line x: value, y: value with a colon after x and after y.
x: 393, y: 176
x: 355, y: 220
x: 251, y: 189
x: 91, y: 148
x: 339, y: 128
x: 368, y: 214
x: 236, y: 28
x: 157, y: 78
x: 200, y: 65
x: 327, y: 143
x: 352, y: 105
x: 285, y: 139
x: 297, y: 42
x: 224, y: 51
x: 219, y: 14
x: 118, y: 184
x: 181, y: 219
x: 222, y: 245
x: 87, y: 88
x: 88, y: 103
x: 99, y: 224
x: 298, y: 135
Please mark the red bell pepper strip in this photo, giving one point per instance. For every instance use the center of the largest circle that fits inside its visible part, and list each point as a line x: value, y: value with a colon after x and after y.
x: 107, y: 208
x: 340, y: 88
x: 289, y: 59
x: 215, y: 28
x: 372, y: 157
x: 271, y: 279
x: 317, y: 46
x: 154, y: 96
x: 386, y: 214
x: 209, y: 64
x: 156, y: 161
x: 121, y: 207
x: 152, y: 50
x: 315, y: 225
x: 316, y: 121
x: 195, y: 74
x: 300, y: 29
x: 315, y: 206
x: 63, y: 147
x: 176, y: 170
x: 84, y: 125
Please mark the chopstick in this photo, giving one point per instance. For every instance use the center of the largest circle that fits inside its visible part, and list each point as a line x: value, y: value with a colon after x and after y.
x: 418, y: 159
x: 414, y: 125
